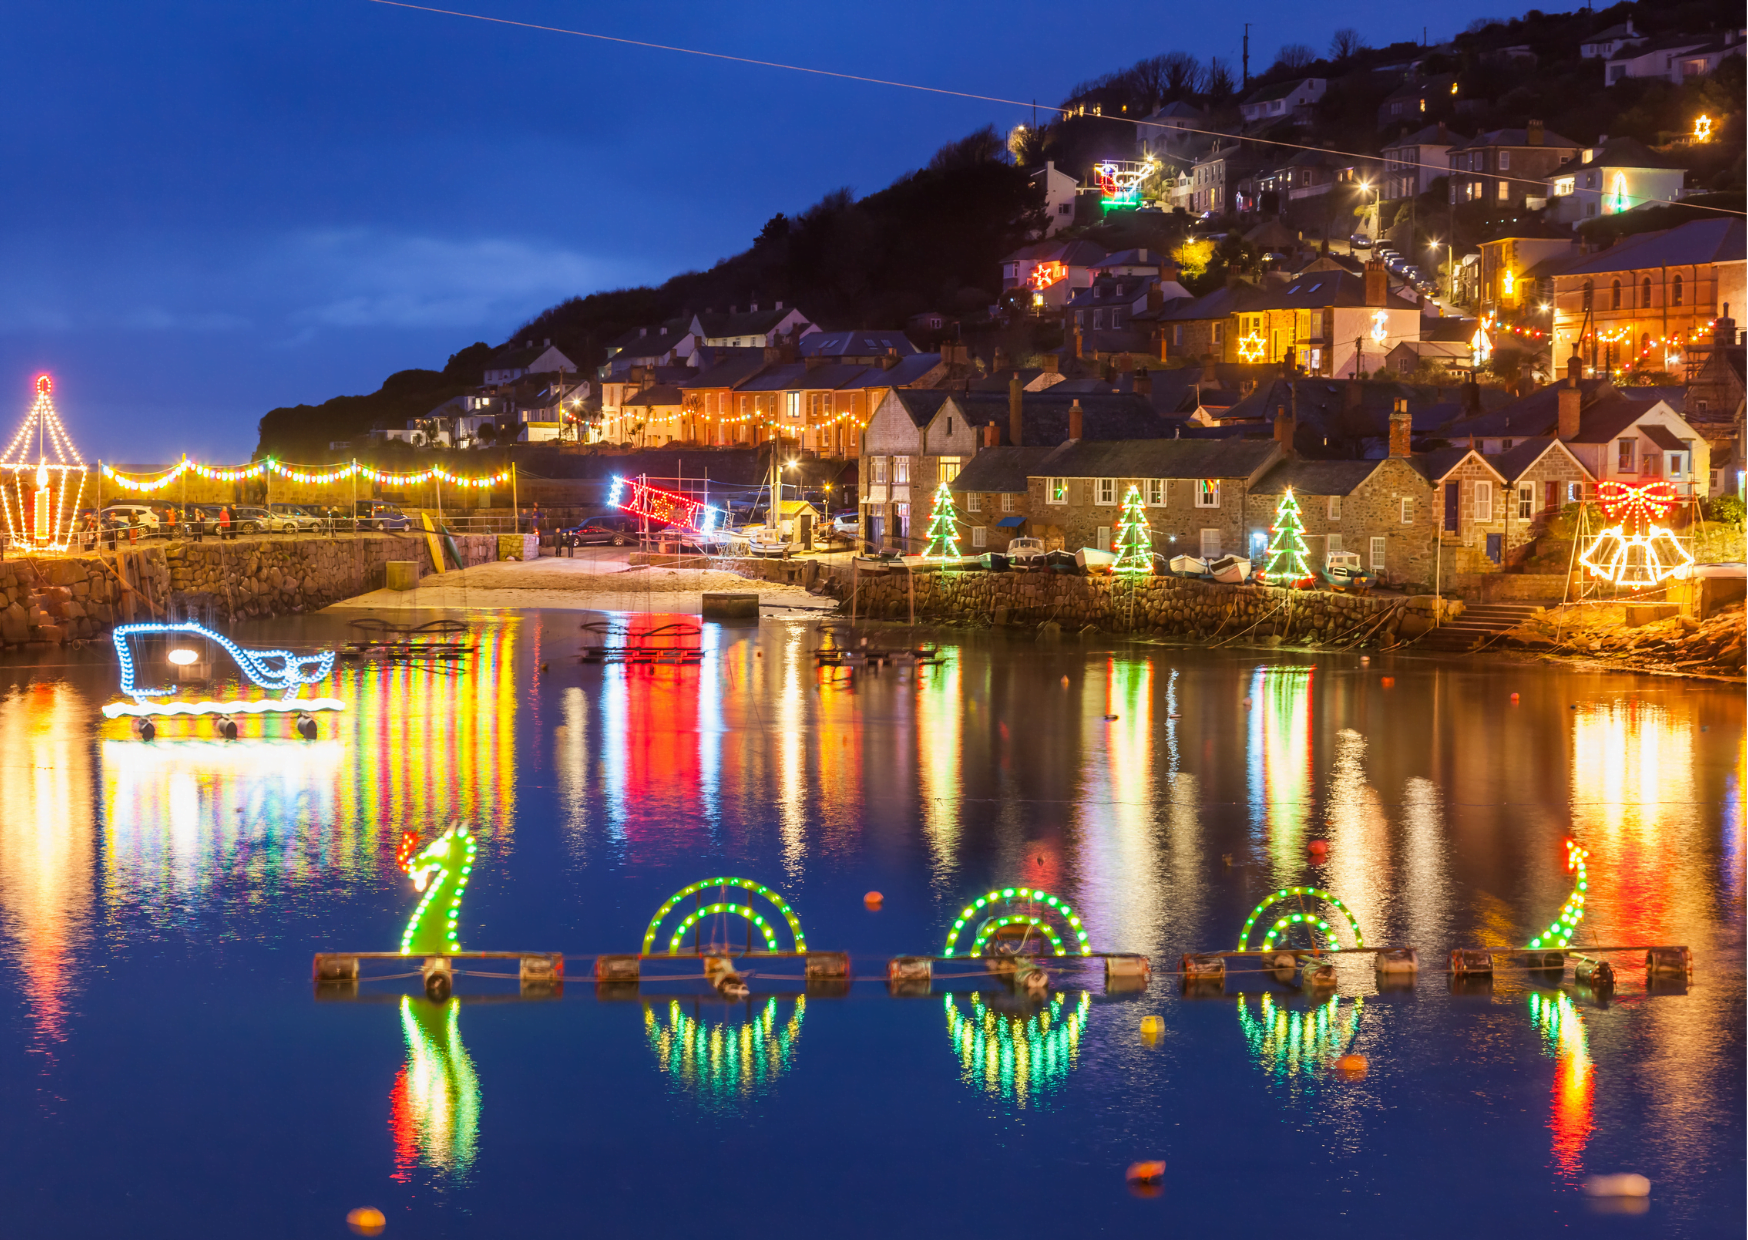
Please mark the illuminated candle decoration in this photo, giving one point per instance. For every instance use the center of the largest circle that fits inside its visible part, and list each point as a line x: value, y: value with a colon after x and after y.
x: 1134, y: 537
x: 757, y: 920
x: 1016, y: 1056
x: 637, y: 497
x: 943, y: 533
x: 1252, y: 348
x: 1508, y: 283
x: 278, y: 671
x: 1380, y: 326
x: 1559, y: 934
x: 42, y: 477
x: 1034, y: 909
x: 727, y: 1059
x: 1634, y: 551
x: 1303, y: 917
x: 1287, y: 549
x: 441, y: 872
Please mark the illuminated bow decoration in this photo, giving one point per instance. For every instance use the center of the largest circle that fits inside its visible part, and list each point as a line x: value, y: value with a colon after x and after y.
x: 1635, y: 508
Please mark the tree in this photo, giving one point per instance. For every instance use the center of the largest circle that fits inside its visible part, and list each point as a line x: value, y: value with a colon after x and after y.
x: 1134, y: 537
x: 1346, y: 43
x: 1294, y: 56
x: 1192, y: 255
x: 943, y: 527
x: 1218, y: 83
x: 981, y: 146
x: 1287, y: 550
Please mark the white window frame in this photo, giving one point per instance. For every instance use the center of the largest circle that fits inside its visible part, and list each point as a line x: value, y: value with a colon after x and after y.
x: 1335, y: 507
x: 879, y: 471
x: 973, y: 501
x: 1056, y: 490
x: 1378, y: 548
x: 1007, y: 501
x: 1105, y: 490
x: 1526, y: 500
x: 979, y: 536
x: 1332, y: 543
x: 1407, y: 510
x: 947, y: 468
x: 1210, y: 543
x: 1207, y: 492
x: 792, y: 406
x: 901, y: 471
x: 1483, y: 501
x: 1157, y: 490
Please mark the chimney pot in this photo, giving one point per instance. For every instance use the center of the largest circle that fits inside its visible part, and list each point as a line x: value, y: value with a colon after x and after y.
x: 1015, y: 399
x: 1401, y: 430
x: 1076, y: 420
x: 1377, y: 283
x: 1574, y: 368
x: 1535, y: 133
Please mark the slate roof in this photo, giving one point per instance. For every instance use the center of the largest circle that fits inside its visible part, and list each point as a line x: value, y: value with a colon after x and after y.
x: 1044, y: 415
x: 1428, y: 135
x: 1438, y: 465
x: 908, y: 371
x: 1317, y: 289
x: 1315, y: 477
x: 746, y: 323
x: 660, y: 394
x: 1697, y: 241
x: 1158, y: 458
x: 922, y: 404
x: 1068, y: 253
x: 1604, y: 412
x: 727, y: 374
x: 1000, y: 469
x: 1619, y: 153
x: 781, y: 377
x: 1517, y: 462
x: 1280, y: 90
x: 650, y: 341
x: 1511, y: 137
x: 857, y: 343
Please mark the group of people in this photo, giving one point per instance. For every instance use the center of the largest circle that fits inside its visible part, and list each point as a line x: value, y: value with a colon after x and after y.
x: 94, y: 528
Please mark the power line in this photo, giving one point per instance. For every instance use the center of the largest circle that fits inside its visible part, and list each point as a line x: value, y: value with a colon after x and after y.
x: 940, y: 90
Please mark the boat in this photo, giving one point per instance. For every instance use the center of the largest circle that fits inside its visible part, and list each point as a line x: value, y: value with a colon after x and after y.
x: 993, y: 561
x: 1343, y: 572
x: 1061, y: 562
x: 1188, y: 566
x: 1231, y: 569
x: 1025, y: 552
x: 1092, y: 560
x: 159, y: 660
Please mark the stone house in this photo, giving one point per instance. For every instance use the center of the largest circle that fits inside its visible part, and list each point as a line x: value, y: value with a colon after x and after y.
x: 1492, y: 504
x: 1051, y: 271
x: 993, y: 497
x: 1503, y: 167
x: 1714, y: 404
x: 1324, y: 322
x: 1380, y: 510
x: 1193, y: 490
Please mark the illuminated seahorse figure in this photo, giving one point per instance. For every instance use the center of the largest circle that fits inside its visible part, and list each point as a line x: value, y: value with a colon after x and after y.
x: 441, y: 871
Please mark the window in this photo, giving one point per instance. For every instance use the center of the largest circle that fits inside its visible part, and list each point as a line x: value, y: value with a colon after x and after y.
x: 1007, y: 501
x: 1407, y: 511
x: 1526, y: 500
x: 1057, y: 492
x: 1614, y: 297
x: 1377, y: 555
x: 1335, y: 507
x: 1504, y: 191
x: 746, y: 406
x: 792, y: 405
x: 1625, y: 452
x: 1219, y: 333
x: 880, y: 471
x: 1675, y: 291
x: 1104, y: 538
x: 1210, y: 544
x: 1483, y: 501
x: 1645, y: 293
x: 1574, y: 492
x: 1155, y: 488
x: 1207, y: 493
x: 973, y: 501
x: 901, y: 515
x: 901, y: 471
x: 1334, y: 541
x: 1098, y: 320
x: 1677, y: 464
x: 1107, y: 491
x: 1651, y: 464
x: 947, y: 468
x: 979, y: 536
x: 1504, y: 162
x: 1563, y: 186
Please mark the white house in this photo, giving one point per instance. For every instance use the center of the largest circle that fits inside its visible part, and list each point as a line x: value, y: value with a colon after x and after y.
x: 1058, y: 189
x: 520, y: 358
x: 1604, y: 44
x: 1281, y: 100
x: 1676, y: 58
x: 1606, y: 180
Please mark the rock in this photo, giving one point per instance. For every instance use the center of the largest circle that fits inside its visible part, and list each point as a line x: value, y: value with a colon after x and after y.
x: 14, y: 625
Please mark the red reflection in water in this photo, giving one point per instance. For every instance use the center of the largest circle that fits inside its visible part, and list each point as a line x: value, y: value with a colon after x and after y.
x: 403, y: 1129
x: 1563, y: 1036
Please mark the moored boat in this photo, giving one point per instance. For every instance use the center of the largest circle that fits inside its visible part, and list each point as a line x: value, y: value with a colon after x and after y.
x: 1232, y: 569
x: 1092, y: 560
x: 1188, y: 566
x: 1342, y: 571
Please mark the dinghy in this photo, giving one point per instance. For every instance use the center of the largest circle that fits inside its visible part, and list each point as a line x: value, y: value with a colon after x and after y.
x: 1231, y: 569
x: 1092, y: 560
x: 1343, y: 572
x: 1188, y: 566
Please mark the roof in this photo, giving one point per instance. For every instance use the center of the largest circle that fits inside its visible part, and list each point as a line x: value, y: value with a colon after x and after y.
x: 1216, y: 305
x: 1518, y: 461
x: 1438, y: 465
x: 1141, y: 257
x: 728, y: 374
x: 1158, y: 458
x: 660, y: 394
x: 1068, y: 253
x: 1427, y: 135
x: 1666, y: 44
x: 1315, y: 477
x: 1000, y: 469
x: 1316, y: 289
x: 921, y: 403
x: 1512, y: 137
x: 651, y: 341
x: 1697, y: 241
x: 1604, y: 412
x: 748, y: 323
x: 909, y: 370
x: 1661, y: 435
x: 1177, y: 107
x: 1044, y: 415
x: 857, y: 343
x: 1280, y: 90
x: 1618, y: 153
x: 511, y: 358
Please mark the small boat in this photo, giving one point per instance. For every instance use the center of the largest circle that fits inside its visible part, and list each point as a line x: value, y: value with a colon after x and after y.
x: 1061, y: 562
x: 1232, y: 569
x: 1343, y: 572
x: 1092, y: 560
x: 993, y: 561
x: 1188, y: 566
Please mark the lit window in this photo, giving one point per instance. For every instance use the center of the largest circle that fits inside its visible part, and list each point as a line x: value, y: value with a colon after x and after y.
x: 901, y: 471
x: 1155, y: 492
x: 948, y: 469
x: 1626, y: 456
x: 880, y: 470
x: 1058, y: 491
x: 1207, y: 493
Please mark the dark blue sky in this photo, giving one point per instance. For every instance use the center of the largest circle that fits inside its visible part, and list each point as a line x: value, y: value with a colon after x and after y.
x: 216, y: 208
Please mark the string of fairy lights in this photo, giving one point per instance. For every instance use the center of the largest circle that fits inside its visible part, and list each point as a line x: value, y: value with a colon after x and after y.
x: 317, y: 477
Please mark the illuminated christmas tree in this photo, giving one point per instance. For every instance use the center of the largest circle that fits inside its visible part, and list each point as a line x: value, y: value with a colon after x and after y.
x: 1134, y: 537
x: 943, y: 527
x: 1287, y: 550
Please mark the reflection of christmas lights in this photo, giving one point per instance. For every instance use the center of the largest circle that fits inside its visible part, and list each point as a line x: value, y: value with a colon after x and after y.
x: 1015, y: 1055
x: 725, y: 883
x: 1295, y: 1044
x: 1042, y: 905
x: 1559, y: 934
x: 434, y: 1106
x: 724, y: 1061
x: 56, y: 469
x: 1310, y: 920
x: 1562, y: 1026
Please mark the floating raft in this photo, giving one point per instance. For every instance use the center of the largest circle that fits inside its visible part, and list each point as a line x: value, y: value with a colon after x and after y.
x: 667, y: 645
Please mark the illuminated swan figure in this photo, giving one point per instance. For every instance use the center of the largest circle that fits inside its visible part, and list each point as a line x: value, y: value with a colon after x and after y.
x: 157, y: 650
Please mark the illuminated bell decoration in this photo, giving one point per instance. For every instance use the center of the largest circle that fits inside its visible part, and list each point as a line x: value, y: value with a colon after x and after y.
x: 42, y: 477
x: 1633, y: 551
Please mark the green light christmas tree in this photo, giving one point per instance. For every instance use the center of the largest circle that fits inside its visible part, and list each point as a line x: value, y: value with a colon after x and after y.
x: 1287, y: 550
x: 1134, y: 537
x: 943, y: 527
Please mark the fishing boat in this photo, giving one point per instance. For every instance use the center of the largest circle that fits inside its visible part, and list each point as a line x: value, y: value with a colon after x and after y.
x: 1188, y: 566
x: 1061, y: 562
x: 994, y: 562
x: 162, y: 661
x: 1092, y: 560
x: 1343, y: 572
x: 1231, y: 569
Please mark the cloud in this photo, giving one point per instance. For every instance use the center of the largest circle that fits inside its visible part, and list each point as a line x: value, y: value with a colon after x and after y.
x: 156, y: 319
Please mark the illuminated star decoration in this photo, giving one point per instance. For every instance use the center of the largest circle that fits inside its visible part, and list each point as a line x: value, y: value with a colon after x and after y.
x: 1633, y: 551
x: 1702, y: 128
x: 1251, y: 348
x: 1046, y: 274
x: 42, y: 463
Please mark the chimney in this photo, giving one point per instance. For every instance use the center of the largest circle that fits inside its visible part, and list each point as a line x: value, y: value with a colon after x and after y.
x: 1001, y: 359
x: 547, y: 343
x: 773, y: 354
x: 1143, y: 383
x: 1574, y: 367
x: 753, y: 309
x: 1377, y: 283
x: 1169, y: 273
x: 779, y: 305
x: 1052, y: 363
x: 1076, y: 420
x: 1471, y: 398
x: 642, y: 332
x: 889, y: 359
x: 732, y: 309
x: 1401, y: 430
x: 1125, y: 363
x: 1014, y: 426
x: 1444, y: 136
x: 1536, y: 133
x: 1077, y: 341
x: 1286, y: 427
x: 1724, y: 330
x: 992, y: 434
x: 816, y: 360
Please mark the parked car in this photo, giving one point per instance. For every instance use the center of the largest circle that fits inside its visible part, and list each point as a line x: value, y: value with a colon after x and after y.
x: 1360, y: 241
x: 847, y: 524
x: 253, y: 519
x: 616, y: 529
x: 371, y: 515
x: 131, y: 514
x: 294, y: 517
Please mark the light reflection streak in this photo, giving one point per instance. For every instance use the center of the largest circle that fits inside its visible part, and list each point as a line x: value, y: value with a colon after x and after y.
x: 47, y: 845
x: 1293, y: 1046
x: 1359, y: 868
x: 1561, y: 1025
x: 792, y: 752
x: 435, y: 1103
x: 1017, y: 1056
x: 1123, y: 903
x: 1427, y: 890
x: 1279, y: 765
x: 725, y: 1062
x: 570, y: 761
x: 940, y: 770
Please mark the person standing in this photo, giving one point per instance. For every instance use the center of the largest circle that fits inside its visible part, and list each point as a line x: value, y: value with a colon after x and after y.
x: 225, y: 523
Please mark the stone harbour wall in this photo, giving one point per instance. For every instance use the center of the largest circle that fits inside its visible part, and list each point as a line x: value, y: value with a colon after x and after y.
x: 74, y: 598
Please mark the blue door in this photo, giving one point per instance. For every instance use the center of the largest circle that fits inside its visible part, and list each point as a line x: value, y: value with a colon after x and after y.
x: 1496, y: 547
x: 1453, y: 506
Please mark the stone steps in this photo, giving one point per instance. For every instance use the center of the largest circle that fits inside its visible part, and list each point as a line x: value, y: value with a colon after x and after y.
x: 1478, y: 623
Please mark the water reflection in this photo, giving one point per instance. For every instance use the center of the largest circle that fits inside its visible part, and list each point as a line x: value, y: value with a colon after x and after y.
x: 1017, y: 1055
x: 725, y: 1057
x: 1115, y: 810
x: 940, y: 762
x: 1294, y: 1045
x: 47, y: 850
x: 1561, y: 1025
x: 435, y: 1103
x: 1279, y: 765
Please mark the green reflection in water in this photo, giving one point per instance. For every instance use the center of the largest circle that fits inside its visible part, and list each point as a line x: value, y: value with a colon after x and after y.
x: 1294, y: 1045
x: 434, y: 1107
x: 1017, y: 1056
x: 729, y: 1060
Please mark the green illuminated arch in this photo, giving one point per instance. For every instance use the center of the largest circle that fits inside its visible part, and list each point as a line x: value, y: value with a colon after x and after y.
x: 1007, y: 896
x: 761, y: 922
x: 1312, y: 921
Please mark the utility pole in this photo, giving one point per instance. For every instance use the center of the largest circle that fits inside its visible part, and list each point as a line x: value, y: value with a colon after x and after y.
x: 1246, y: 55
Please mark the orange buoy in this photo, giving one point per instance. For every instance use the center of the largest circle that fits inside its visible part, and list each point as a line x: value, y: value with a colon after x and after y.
x: 366, y: 1220
x: 1351, y: 1066
x: 873, y: 899
x: 1319, y: 846
x: 1145, y: 1178
x: 1514, y: 699
x: 1065, y: 682
x: 1389, y: 682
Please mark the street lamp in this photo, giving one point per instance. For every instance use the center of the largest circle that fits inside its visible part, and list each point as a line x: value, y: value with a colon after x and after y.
x: 1451, y: 258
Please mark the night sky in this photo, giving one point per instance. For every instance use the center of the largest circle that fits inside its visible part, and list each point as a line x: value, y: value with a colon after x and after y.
x: 215, y: 208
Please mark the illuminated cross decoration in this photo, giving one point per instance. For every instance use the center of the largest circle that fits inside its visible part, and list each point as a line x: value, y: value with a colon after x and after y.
x: 42, y: 477
x: 1634, y: 551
